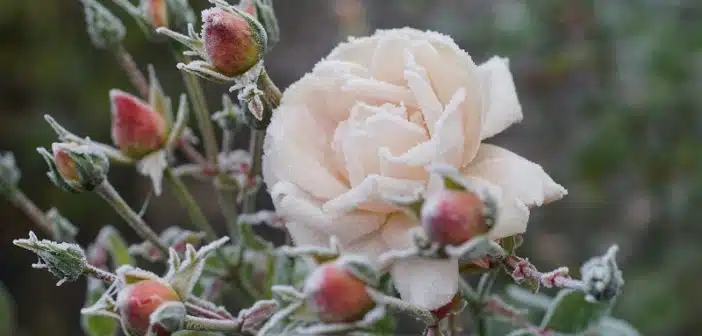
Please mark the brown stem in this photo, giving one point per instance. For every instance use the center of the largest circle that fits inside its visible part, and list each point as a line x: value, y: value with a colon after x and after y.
x: 522, y: 268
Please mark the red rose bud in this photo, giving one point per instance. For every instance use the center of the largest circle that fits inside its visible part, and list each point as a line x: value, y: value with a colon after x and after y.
x: 233, y: 42
x: 452, y: 217
x: 138, y: 301
x: 136, y: 128
x: 156, y: 11
x: 335, y: 295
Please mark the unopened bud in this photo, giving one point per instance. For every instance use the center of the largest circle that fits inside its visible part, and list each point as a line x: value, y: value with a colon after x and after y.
x: 137, y: 302
x: 104, y: 28
x: 452, y: 217
x: 602, y: 277
x: 137, y: 129
x: 66, y: 261
x: 233, y: 41
x: 156, y: 12
x: 336, y: 295
x: 9, y: 173
x: 74, y: 167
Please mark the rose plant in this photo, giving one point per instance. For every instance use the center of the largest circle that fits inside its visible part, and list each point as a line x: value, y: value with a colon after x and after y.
x: 377, y: 165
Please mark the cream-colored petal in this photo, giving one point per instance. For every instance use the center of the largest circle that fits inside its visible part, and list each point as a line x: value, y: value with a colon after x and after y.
x: 294, y: 205
x: 420, y: 85
x: 449, y: 136
x: 153, y: 166
x: 370, y: 195
x: 396, y: 232
x: 515, y: 175
x: 384, y: 64
x: 501, y: 106
x: 427, y: 283
x: 306, y: 235
x: 295, y: 151
x: 512, y: 214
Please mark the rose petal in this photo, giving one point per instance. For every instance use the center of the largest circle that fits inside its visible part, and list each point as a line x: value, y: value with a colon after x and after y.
x: 501, y: 106
x: 427, y: 283
x: 384, y: 64
x: 517, y: 176
x: 419, y: 83
x: 371, y: 194
x: 296, y: 153
x: 294, y: 205
x: 449, y: 132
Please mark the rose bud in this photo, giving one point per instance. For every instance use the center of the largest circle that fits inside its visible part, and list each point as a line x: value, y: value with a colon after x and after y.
x: 233, y: 42
x: 156, y: 11
x: 137, y: 129
x: 74, y: 167
x: 138, y: 301
x: 453, y: 217
x: 335, y: 295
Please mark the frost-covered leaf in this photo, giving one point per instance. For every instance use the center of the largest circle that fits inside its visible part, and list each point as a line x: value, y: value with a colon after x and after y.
x: 184, y: 275
x: 65, y: 261
x: 571, y: 313
x: 528, y: 298
x: 95, y: 324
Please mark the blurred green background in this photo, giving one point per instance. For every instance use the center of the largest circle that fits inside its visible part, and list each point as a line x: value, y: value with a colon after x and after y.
x: 612, y: 98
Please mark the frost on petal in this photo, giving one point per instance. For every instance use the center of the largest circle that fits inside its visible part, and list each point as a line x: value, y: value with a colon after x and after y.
x: 418, y: 81
x: 384, y: 63
x: 449, y: 134
x: 297, y: 152
x: 153, y: 166
x: 426, y: 283
x: 371, y: 195
x: 294, y: 205
x: 517, y: 176
x: 501, y: 105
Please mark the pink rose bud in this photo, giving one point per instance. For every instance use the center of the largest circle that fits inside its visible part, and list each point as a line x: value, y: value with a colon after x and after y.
x: 233, y: 42
x: 136, y: 128
x: 138, y: 301
x: 453, y: 217
x: 157, y: 12
x: 335, y: 295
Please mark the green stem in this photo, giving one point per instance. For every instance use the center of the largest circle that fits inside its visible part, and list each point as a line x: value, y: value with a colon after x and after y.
x: 112, y: 197
x: 188, y: 201
x: 206, y: 324
x: 197, y: 97
x: 226, y: 197
x: 256, y: 150
x: 484, y: 288
x: 21, y: 201
x: 99, y: 274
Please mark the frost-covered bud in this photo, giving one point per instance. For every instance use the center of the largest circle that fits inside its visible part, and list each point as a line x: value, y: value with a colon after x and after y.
x: 9, y: 173
x: 104, y: 28
x: 452, y: 217
x: 602, y: 277
x: 136, y: 303
x: 74, y: 167
x: 335, y: 295
x: 233, y: 41
x: 263, y: 11
x: 66, y: 261
x: 156, y: 12
x: 137, y: 129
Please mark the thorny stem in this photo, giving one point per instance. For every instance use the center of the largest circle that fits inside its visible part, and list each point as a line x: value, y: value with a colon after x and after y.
x: 111, y: 196
x: 205, y: 324
x: 99, y: 274
x: 132, y: 70
x: 21, y: 201
x: 521, y: 268
x: 272, y: 96
x: 197, y: 97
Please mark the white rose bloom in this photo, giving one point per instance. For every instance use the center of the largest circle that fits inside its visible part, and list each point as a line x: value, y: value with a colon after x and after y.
x: 368, y: 120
